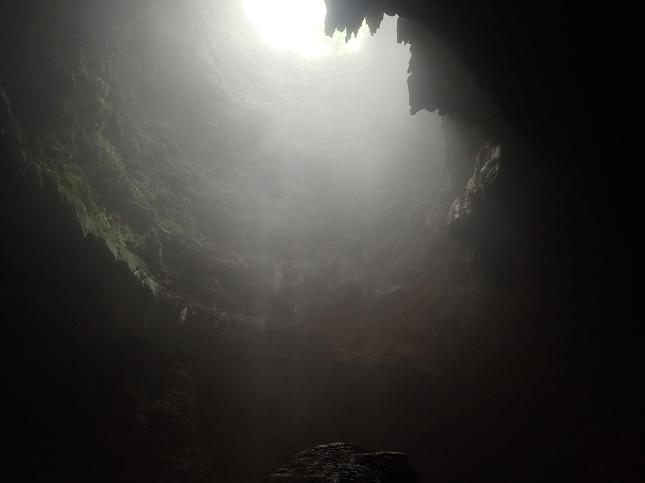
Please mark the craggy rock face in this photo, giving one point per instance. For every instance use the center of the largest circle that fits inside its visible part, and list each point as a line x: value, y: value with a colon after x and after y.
x: 233, y: 179
x: 345, y: 463
x: 473, y: 218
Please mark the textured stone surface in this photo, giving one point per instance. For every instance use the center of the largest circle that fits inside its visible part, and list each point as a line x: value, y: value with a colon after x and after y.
x: 461, y: 219
x: 203, y: 205
x: 345, y: 463
x: 471, y: 205
x: 473, y: 217
x: 487, y: 171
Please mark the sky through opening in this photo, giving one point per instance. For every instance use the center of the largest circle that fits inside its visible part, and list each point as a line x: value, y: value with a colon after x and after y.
x: 299, y: 25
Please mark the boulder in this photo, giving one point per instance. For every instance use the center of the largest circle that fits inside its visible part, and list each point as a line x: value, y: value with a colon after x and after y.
x: 345, y: 463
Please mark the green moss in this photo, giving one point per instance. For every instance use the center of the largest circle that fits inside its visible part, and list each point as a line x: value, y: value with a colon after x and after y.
x: 137, y: 124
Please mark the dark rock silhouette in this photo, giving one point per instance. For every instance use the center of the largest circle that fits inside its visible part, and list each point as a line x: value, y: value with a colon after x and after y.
x: 345, y: 463
x: 473, y: 219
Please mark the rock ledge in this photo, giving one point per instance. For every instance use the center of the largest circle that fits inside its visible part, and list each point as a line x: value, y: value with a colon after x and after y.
x: 345, y: 463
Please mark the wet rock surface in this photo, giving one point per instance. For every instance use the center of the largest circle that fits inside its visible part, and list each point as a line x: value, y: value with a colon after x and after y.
x: 474, y: 218
x: 345, y: 463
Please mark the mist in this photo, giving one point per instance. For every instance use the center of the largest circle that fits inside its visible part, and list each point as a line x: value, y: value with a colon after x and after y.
x: 341, y: 165
x: 228, y: 238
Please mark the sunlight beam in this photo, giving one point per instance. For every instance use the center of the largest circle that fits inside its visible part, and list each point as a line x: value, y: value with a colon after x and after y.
x: 296, y: 24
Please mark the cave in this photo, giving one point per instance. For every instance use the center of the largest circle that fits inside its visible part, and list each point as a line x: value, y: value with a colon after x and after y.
x: 413, y: 231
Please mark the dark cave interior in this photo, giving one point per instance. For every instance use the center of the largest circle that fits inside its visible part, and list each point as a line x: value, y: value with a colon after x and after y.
x: 216, y: 255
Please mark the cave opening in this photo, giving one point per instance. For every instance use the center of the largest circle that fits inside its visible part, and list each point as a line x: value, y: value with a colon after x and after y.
x: 299, y: 26
x: 227, y: 238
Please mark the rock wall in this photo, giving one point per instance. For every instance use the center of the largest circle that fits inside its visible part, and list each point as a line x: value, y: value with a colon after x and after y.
x: 344, y: 461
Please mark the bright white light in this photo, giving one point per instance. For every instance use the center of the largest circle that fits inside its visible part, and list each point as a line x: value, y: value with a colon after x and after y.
x: 298, y: 24
x: 290, y: 23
